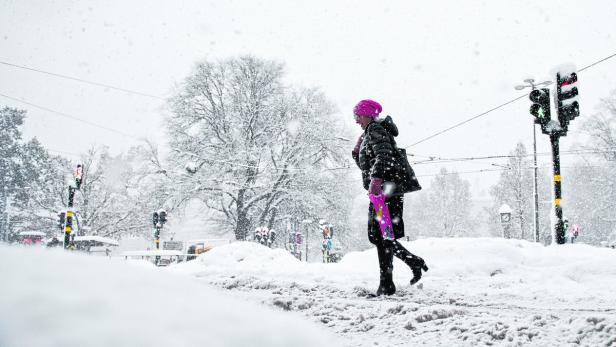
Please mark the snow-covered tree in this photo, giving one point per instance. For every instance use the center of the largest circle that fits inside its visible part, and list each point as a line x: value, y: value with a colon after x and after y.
x: 255, y: 149
x: 45, y: 189
x: 515, y: 188
x: 10, y: 137
x: 31, y: 180
x: 592, y: 186
x: 109, y: 203
x: 443, y: 208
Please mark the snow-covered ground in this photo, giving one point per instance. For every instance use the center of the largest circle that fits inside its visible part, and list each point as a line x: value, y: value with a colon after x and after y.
x: 54, y: 298
x: 480, y: 291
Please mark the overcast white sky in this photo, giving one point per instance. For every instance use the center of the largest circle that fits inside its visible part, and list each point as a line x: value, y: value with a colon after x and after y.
x: 430, y: 63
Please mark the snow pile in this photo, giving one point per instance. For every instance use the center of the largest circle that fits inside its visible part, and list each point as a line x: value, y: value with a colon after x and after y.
x: 477, y: 291
x: 482, y: 265
x: 54, y: 298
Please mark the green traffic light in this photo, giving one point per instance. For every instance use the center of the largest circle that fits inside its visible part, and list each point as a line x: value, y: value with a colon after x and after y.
x: 537, y: 111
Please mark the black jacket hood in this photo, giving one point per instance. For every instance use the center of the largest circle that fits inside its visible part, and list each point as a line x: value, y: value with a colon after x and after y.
x: 389, y: 125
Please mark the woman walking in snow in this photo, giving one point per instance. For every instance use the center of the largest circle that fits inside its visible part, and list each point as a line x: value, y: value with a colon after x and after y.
x: 377, y: 157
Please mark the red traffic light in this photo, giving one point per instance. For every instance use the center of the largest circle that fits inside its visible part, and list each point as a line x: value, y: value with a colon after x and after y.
x: 568, y: 80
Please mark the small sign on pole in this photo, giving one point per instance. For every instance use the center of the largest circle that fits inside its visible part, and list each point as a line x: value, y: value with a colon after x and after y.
x: 505, y: 218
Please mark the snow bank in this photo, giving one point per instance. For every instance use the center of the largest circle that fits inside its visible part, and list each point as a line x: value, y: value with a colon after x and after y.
x: 556, y: 275
x: 478, y: 291
x: 54, y: 298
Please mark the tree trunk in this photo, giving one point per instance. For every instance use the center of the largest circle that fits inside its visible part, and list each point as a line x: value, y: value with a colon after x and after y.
x: 241, y: 228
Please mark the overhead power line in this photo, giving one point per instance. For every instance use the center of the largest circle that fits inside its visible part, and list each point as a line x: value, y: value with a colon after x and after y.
x: 499, y: 106
x: 130, y: 91
x: 597, y: 62
x: 68, y: 116
x: 439, y: 160
x: 466, y: 121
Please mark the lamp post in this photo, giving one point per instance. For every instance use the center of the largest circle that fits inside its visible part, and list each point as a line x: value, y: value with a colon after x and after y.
x: 531, y: 84
x: 306, y: 222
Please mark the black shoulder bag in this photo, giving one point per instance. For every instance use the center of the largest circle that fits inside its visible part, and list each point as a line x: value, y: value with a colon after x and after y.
x: 408, y: 181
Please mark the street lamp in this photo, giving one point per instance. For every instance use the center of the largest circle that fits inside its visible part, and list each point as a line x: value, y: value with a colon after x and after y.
x: 531, y: 84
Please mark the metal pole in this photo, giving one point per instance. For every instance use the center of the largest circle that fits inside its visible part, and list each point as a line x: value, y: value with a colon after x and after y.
x: 157, y: 241
x: 559, y: 227
x: 535, y: 188
x: 6, y: 218
x: 68, y: 226
x: 306, y: 242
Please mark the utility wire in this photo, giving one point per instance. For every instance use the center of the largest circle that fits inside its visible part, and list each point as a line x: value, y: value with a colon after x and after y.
x: 82, y: 80
x: 466, y: 121
x: 597, y: 62
x: 63, y: 152
x: 438, y: 160
x: 462, y: 172
x: 499, y: 106
x: 68, y: 116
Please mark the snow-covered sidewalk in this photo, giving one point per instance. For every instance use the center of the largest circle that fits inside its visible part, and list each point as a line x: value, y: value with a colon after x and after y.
x: 480, y: 290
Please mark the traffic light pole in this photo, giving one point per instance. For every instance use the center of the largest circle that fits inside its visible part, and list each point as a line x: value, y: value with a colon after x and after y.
x: 567, y: 108
x: 68, y: 227
x: 559, y: 235
x: 157, y: 237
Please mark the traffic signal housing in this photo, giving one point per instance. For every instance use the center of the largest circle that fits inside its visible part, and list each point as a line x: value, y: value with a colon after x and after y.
x: 61, y: 220
x: 540, y: 108
x: 162, y: 216
x: 566, y: 99
x: 155, y: 218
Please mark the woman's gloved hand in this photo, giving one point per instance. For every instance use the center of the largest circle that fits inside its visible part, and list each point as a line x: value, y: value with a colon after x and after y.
x: 375, y: 186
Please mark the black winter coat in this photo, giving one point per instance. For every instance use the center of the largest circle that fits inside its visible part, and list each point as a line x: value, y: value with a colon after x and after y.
x: 377, y: 155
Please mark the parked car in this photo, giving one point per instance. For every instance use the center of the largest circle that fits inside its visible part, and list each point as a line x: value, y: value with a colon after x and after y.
x: 193, y: 248
x: 30, y: 238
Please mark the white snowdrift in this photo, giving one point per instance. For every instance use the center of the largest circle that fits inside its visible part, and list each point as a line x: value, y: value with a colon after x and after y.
x: 480, y: 291
x: 567, y: 274
x: 54, y: 298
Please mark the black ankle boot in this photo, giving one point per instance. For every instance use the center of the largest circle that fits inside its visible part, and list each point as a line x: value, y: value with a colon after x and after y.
x: 416, y: 264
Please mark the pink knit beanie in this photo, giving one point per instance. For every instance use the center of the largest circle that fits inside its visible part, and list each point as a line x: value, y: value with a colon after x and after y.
x: 369, y: 108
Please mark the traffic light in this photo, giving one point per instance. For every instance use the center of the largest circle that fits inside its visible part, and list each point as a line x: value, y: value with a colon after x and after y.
x: 567, y: 104
x: 61, y: 220
x: 78, y: 176
x: 540, y: 108
x: 71, y: 196
x: 155, y: 218
x: 162, y: 216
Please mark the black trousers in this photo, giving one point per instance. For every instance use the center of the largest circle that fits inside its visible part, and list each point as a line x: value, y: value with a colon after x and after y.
x: 387, y: 249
